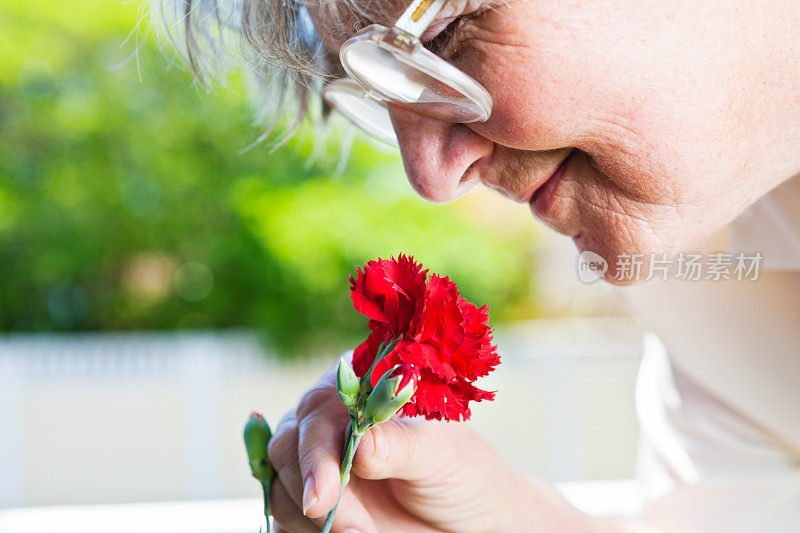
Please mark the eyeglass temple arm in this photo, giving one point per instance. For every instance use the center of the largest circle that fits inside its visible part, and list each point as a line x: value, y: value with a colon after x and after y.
x: 418, y: 16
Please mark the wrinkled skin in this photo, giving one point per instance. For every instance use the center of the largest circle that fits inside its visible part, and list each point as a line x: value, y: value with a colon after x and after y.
x: 674, y: 116
x: 631, y: 126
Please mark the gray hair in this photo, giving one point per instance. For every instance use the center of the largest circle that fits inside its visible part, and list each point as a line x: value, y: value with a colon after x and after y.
x: 274, y: 40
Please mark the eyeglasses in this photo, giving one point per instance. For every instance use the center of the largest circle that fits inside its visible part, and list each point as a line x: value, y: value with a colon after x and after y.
x: 392, y: 65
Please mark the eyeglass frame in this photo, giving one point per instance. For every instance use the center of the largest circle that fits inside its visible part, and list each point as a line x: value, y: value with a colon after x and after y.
x: 404, y: 35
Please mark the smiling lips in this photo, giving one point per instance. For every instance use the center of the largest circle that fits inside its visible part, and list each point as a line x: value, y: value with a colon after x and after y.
x: 542, y: 198
x: 529, y: 194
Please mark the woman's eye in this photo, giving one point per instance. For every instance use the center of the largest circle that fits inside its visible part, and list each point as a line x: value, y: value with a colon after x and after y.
x: 439, y: 44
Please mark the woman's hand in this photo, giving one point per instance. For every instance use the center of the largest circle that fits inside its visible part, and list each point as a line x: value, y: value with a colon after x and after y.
x: 409, y: 475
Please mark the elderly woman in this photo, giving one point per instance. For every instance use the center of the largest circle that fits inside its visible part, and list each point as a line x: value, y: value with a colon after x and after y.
x: 637, y: 128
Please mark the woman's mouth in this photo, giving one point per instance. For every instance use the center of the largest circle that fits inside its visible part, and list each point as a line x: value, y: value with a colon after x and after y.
x: 543, y: 197
x: 522, y: 181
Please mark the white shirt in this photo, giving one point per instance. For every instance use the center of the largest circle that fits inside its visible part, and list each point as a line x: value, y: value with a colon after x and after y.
x: 718, y: 395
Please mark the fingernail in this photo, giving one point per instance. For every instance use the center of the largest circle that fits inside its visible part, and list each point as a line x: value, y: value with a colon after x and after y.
x: 351, y: 530
x: 309, y: 494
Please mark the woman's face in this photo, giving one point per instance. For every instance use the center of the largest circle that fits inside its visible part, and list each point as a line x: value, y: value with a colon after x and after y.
x: 631, y: 126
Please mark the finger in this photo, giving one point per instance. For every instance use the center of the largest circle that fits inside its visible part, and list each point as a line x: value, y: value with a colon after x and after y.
x: 281, y: 437
x: 410, y: 449
x: 282, y: 453
x: 351, y: 516
x: 286, y: 512
x: 321, y: 422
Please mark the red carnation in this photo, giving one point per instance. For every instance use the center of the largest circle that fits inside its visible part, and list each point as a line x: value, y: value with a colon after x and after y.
x: 442, y: 336
x: 390, y: 292
x: 431, y: 341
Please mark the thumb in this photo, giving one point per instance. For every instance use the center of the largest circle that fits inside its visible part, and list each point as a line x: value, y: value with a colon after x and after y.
x: 411, y: 449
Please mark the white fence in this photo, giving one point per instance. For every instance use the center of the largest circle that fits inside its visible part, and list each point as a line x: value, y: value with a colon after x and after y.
x: 599, y: 498
x: 112, y: 418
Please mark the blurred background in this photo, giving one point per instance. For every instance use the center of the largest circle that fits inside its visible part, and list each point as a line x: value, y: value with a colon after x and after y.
x: 160, y: 280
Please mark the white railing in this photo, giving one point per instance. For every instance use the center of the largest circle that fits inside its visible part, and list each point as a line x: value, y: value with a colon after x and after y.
x: 600, y: 498
x: 111, y: 418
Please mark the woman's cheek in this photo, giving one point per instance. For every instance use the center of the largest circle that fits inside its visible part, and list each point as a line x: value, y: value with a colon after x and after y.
x: 527, y: 114
x: 540, y: 100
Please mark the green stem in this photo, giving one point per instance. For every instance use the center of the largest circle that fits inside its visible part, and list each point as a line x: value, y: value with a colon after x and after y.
x: 350, y: 447
x: 350, y: 452
x: 266, y: 506
x: 356, y: 429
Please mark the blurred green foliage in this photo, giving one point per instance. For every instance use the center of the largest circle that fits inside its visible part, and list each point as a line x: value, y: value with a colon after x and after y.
x: 125, y: 203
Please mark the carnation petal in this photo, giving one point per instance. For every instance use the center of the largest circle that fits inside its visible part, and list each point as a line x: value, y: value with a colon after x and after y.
x: 424, y: 355
x: 390, y: 291
x: 443, y: 336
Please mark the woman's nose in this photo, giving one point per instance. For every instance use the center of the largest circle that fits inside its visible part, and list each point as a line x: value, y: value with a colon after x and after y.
x: 442, y: 160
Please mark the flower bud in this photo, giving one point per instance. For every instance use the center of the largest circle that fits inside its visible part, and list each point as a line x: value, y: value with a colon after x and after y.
x: 347, y: 384
x: 393, y: 391
x: 256, y: 440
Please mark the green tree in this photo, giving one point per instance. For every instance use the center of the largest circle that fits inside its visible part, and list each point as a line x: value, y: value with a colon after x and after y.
x: 126, y: 203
